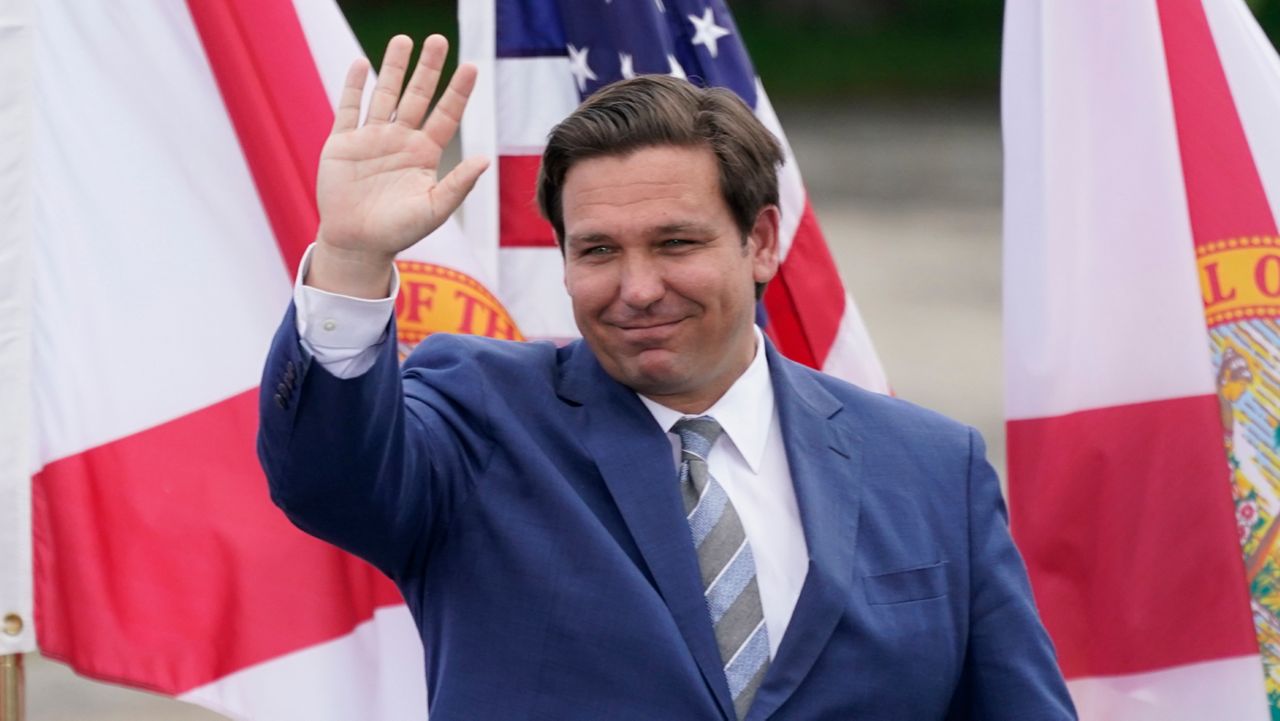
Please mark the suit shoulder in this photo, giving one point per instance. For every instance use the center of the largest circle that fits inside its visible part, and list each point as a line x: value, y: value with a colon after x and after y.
x: 484, y: 354
x: 889, y: 417
x: 473, y: 364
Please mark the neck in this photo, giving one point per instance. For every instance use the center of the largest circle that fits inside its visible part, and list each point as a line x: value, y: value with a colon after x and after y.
x: 689, y: 404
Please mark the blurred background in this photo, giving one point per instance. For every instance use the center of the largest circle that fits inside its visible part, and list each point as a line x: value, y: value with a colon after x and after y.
x: 892, y: 109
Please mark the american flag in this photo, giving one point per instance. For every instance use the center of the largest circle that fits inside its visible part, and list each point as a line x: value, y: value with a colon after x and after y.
x: 538, y: 60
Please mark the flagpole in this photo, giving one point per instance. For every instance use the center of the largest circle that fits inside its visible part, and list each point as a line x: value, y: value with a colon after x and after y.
x: 12, y: 707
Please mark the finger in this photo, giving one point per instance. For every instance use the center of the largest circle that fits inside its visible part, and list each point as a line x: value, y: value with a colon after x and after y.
x: 444, y: 119
x: 390, y: 78
x: 347, y: 116
x: 452, y: 190
x: 422, y: 84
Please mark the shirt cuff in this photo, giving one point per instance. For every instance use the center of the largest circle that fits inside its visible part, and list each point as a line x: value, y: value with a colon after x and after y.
x: 339, y: 331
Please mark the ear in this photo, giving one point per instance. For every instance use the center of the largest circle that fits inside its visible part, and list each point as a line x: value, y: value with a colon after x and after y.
x: 762, y: 244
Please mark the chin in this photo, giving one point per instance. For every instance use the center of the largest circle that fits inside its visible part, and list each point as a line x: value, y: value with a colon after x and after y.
x: 652, y: 376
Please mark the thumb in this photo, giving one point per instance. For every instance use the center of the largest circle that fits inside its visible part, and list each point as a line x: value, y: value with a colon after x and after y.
x: 449, y: 193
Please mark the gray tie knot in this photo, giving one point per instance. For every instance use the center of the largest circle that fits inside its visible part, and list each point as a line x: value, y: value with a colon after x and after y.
x: 697, y: 435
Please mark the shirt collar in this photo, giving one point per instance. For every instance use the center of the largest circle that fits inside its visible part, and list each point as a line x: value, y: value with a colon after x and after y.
x: 744, y: 411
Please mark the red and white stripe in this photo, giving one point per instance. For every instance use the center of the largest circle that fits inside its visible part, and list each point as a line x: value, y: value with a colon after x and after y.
x: 516, y: 104
x: 1114, y: 116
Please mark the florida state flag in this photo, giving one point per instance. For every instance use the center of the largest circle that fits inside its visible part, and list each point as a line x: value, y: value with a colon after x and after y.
x: 1142, y: 293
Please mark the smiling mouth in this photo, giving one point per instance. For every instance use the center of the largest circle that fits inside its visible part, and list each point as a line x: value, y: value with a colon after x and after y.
x: 648, y: 335
x: 643, y: 327
x: 647, y: 326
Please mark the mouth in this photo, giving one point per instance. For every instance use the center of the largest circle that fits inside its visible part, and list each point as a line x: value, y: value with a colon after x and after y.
x: 648, y: 332
x: 646, y: 326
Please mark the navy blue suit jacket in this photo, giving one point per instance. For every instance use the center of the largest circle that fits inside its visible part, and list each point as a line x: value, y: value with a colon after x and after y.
x: 525, y: 504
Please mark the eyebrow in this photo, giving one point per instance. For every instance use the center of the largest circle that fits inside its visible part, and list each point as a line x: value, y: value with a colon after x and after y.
x: 681, y: 228
x: 677, y: 228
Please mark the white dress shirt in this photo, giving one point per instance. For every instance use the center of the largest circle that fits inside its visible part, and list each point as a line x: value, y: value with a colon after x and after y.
x: 750, y: 462
x: 344, y: 335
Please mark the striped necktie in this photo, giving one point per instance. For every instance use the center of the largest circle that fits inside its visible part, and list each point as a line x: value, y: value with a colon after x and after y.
x: 728, y: 568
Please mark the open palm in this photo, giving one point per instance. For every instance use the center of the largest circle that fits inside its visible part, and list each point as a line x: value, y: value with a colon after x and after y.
x: 378, y: 188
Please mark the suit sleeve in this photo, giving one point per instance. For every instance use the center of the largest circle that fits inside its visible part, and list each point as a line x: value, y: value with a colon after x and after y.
x: 1011, y: 672
x: 377, y: 463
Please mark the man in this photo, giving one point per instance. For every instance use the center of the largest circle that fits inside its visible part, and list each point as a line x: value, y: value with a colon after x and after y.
x: 665, y: 520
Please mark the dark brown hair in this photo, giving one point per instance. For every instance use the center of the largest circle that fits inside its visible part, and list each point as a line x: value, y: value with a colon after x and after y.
x: 653, y: 110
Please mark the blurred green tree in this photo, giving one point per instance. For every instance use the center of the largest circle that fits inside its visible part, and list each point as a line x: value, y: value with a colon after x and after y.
x: 1268, y: 13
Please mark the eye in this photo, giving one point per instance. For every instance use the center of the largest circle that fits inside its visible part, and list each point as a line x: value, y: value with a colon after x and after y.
x: 596, y: 250
x: 676, y: 242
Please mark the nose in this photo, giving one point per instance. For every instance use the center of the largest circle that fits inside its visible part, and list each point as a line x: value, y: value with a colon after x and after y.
x: 641, y: 283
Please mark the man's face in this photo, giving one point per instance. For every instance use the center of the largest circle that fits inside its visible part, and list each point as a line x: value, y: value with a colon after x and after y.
x: 661, y: 281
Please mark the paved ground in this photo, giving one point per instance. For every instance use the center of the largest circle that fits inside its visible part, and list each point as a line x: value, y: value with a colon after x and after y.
x: 909, y: 199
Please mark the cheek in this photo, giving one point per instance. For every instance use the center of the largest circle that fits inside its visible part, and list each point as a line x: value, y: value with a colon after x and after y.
x: 697, y: 277
x: 715, y: 288
x: 588, y: 287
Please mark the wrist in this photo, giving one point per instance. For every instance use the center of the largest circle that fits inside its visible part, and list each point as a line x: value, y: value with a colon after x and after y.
x: 350, y: 272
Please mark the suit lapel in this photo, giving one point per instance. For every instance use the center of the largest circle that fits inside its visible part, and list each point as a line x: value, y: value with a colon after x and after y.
x: 634, y: 458
x: 825, y: 462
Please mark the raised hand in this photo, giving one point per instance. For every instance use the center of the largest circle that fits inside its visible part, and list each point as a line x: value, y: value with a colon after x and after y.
x: 378, y: 187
